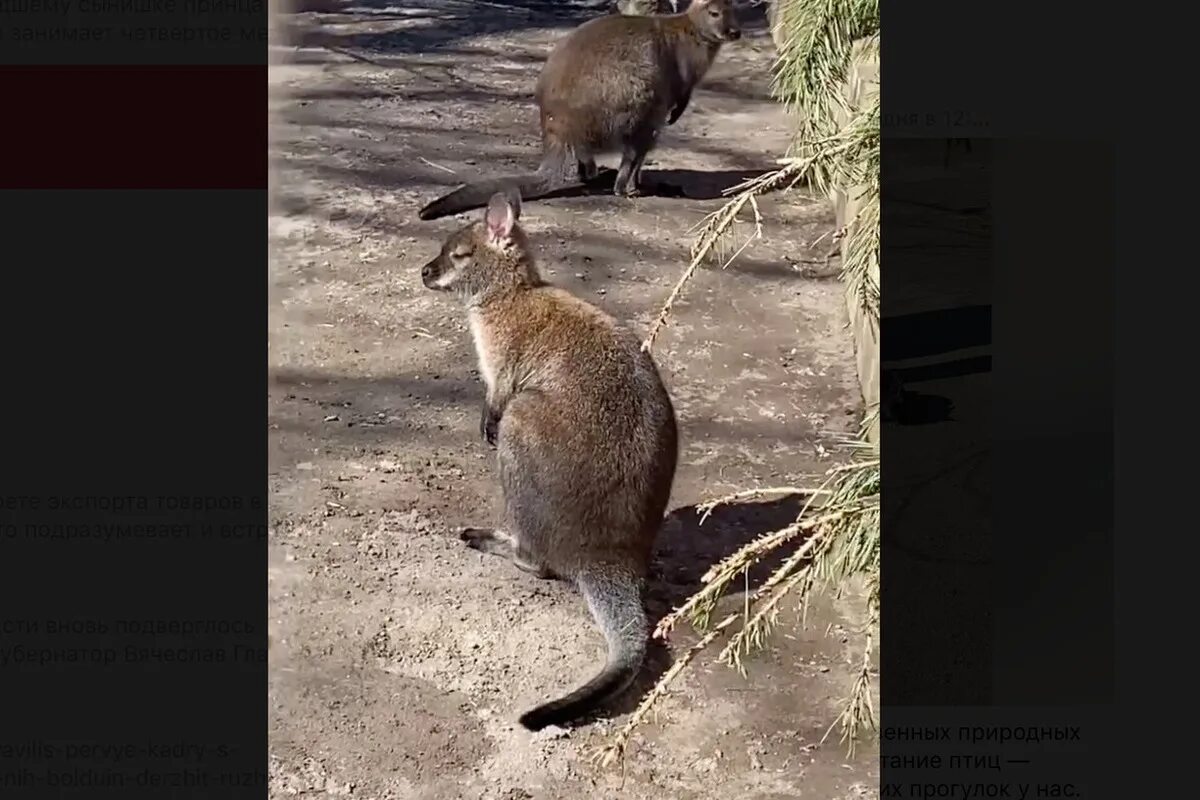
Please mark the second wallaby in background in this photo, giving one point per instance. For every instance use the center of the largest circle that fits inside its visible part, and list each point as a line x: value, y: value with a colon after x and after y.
x: 610, y: 86
x: 585, y: 436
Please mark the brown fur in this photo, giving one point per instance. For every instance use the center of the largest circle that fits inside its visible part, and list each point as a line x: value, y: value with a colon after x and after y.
x: 585, y: 434
x: 610, y: 86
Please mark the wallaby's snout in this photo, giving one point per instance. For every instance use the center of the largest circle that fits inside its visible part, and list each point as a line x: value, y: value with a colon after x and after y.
x: 718, y: 18
x: 430, y: 273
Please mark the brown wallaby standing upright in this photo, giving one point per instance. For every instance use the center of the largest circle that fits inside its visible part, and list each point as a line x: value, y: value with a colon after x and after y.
x: 610, y: 86
x: 585, y: 436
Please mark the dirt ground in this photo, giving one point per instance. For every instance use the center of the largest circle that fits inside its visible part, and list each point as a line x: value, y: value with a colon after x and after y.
x: 399, y: 660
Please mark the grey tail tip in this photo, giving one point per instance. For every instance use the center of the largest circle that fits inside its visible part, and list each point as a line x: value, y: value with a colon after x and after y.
x: 462, y: 199
x: 539, y: 718
x: 532, y: 722
x: 429, y: 212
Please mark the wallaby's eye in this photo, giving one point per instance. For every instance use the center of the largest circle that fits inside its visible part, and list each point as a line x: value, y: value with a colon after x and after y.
x: 461, y: 253
x: 714, y: 13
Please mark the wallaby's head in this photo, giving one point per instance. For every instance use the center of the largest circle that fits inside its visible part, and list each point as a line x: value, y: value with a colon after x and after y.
x: 715, y: 20
x: 490, y: 254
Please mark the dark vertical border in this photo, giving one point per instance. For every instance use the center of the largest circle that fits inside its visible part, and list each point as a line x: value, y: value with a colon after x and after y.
x: 998, y: 312
x: 133, y: 513
x: 1053, y: 418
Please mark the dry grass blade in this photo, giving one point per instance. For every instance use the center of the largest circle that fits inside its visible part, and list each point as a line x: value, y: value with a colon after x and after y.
x: 719, y: 577
x: 709, y: 506
x: 717, y: 225
x: 858, y: 712
x: 786, y: 578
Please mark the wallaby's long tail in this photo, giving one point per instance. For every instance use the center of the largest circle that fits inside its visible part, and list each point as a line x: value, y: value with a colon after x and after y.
x: 615, y: 600
x: 551, y: 175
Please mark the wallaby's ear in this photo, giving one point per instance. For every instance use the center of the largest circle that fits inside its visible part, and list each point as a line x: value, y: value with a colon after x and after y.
x: 501, y: 216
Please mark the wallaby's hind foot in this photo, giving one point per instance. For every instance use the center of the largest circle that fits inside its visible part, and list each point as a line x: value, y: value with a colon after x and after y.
x: 498, y: 543
x: 630, y: 172
x: 626, y: 185
x: 623, y: 186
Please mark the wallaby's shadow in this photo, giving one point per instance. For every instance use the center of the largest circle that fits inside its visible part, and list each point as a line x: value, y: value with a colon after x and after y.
x: 692, y: 184
x: 687, y: 549
x: 695, y: 184
x: 685, y: 552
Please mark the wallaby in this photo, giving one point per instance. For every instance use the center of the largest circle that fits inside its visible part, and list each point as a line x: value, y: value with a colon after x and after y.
x: 610, y: 85
x: 585, y: 436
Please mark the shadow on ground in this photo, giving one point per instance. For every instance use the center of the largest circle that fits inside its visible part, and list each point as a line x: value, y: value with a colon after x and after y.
x: 693, y: 184
x: 452, y: 20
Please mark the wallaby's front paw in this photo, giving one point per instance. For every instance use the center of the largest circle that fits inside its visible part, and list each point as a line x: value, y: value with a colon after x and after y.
x: 489, y: 425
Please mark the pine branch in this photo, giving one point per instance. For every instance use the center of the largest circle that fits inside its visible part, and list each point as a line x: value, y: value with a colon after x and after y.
x: 834, y: 145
